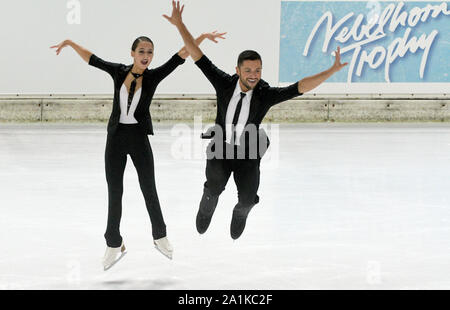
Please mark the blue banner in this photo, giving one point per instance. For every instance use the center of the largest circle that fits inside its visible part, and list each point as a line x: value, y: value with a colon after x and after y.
x: 383, y: 41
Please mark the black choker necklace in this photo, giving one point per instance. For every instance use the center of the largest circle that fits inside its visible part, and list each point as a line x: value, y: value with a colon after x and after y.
x: 137, y: 75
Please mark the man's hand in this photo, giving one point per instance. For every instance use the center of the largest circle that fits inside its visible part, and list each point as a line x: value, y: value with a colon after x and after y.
x: 309, y: 83
x: 190, y: 46
x: 337, y: 62
x: 176, y: 18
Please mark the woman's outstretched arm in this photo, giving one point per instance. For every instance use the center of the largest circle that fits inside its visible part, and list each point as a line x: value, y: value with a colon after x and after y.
x: 84, y: 53
x: 89, y: 57
x: 213, y: 36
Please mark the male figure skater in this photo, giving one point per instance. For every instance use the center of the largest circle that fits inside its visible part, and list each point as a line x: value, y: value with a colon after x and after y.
x: 243, y: 100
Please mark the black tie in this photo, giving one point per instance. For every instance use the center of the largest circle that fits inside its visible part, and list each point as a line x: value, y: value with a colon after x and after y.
x: 132, y: 89
x: 236, y: 116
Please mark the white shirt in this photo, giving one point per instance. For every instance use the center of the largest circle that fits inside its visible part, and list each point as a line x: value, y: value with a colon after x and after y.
x: 243, y: 115
x: 124, y: 118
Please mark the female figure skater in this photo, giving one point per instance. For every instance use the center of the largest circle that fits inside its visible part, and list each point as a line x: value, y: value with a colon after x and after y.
x: 128, y: 127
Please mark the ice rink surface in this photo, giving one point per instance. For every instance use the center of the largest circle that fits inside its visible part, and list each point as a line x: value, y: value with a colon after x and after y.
x: 344, y: 206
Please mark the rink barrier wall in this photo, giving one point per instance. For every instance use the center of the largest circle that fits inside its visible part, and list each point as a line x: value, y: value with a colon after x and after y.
x: 306, y: 108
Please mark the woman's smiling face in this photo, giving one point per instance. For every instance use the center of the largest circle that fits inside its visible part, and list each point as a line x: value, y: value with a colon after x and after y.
x: 143, y: 55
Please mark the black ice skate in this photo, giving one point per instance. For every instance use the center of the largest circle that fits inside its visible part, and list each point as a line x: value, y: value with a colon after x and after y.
x: 239, y: 219
x: 205, y: 212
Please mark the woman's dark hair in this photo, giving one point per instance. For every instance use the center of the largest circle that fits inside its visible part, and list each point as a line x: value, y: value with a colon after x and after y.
x: 139, y: 40
x: 248, y: 55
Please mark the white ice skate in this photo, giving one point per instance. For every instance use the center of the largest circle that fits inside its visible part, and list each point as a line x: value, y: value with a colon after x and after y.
x: 163, y: 245
x: 113, y: 255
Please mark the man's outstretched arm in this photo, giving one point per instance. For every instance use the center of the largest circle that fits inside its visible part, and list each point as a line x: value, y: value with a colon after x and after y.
x: 176, y: 19
x: 308, y: 83
x: 217, y: 77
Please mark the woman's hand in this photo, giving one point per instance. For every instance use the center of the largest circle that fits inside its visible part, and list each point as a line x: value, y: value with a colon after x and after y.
x: 60, y: 46
x: 84, y: 53
x: 214, y: 35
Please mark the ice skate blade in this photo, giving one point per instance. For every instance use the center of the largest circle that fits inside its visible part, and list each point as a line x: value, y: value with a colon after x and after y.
x: 170, y: 256
x: 115, y: 262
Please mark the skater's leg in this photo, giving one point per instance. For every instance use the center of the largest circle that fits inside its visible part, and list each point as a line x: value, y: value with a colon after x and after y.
x: 142, y: 157
x: 246, y: 177
x: 218, y: 172
x: 115, y: 161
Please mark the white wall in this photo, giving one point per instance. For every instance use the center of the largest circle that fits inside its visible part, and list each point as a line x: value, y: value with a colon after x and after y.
x: 108, y: 27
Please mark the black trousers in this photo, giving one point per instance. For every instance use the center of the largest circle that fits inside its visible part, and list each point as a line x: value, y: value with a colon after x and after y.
x: 130, y: 140
x: 246, y: 175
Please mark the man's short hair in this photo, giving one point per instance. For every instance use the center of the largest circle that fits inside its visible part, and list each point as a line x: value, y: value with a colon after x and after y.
x: 248, y: 55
